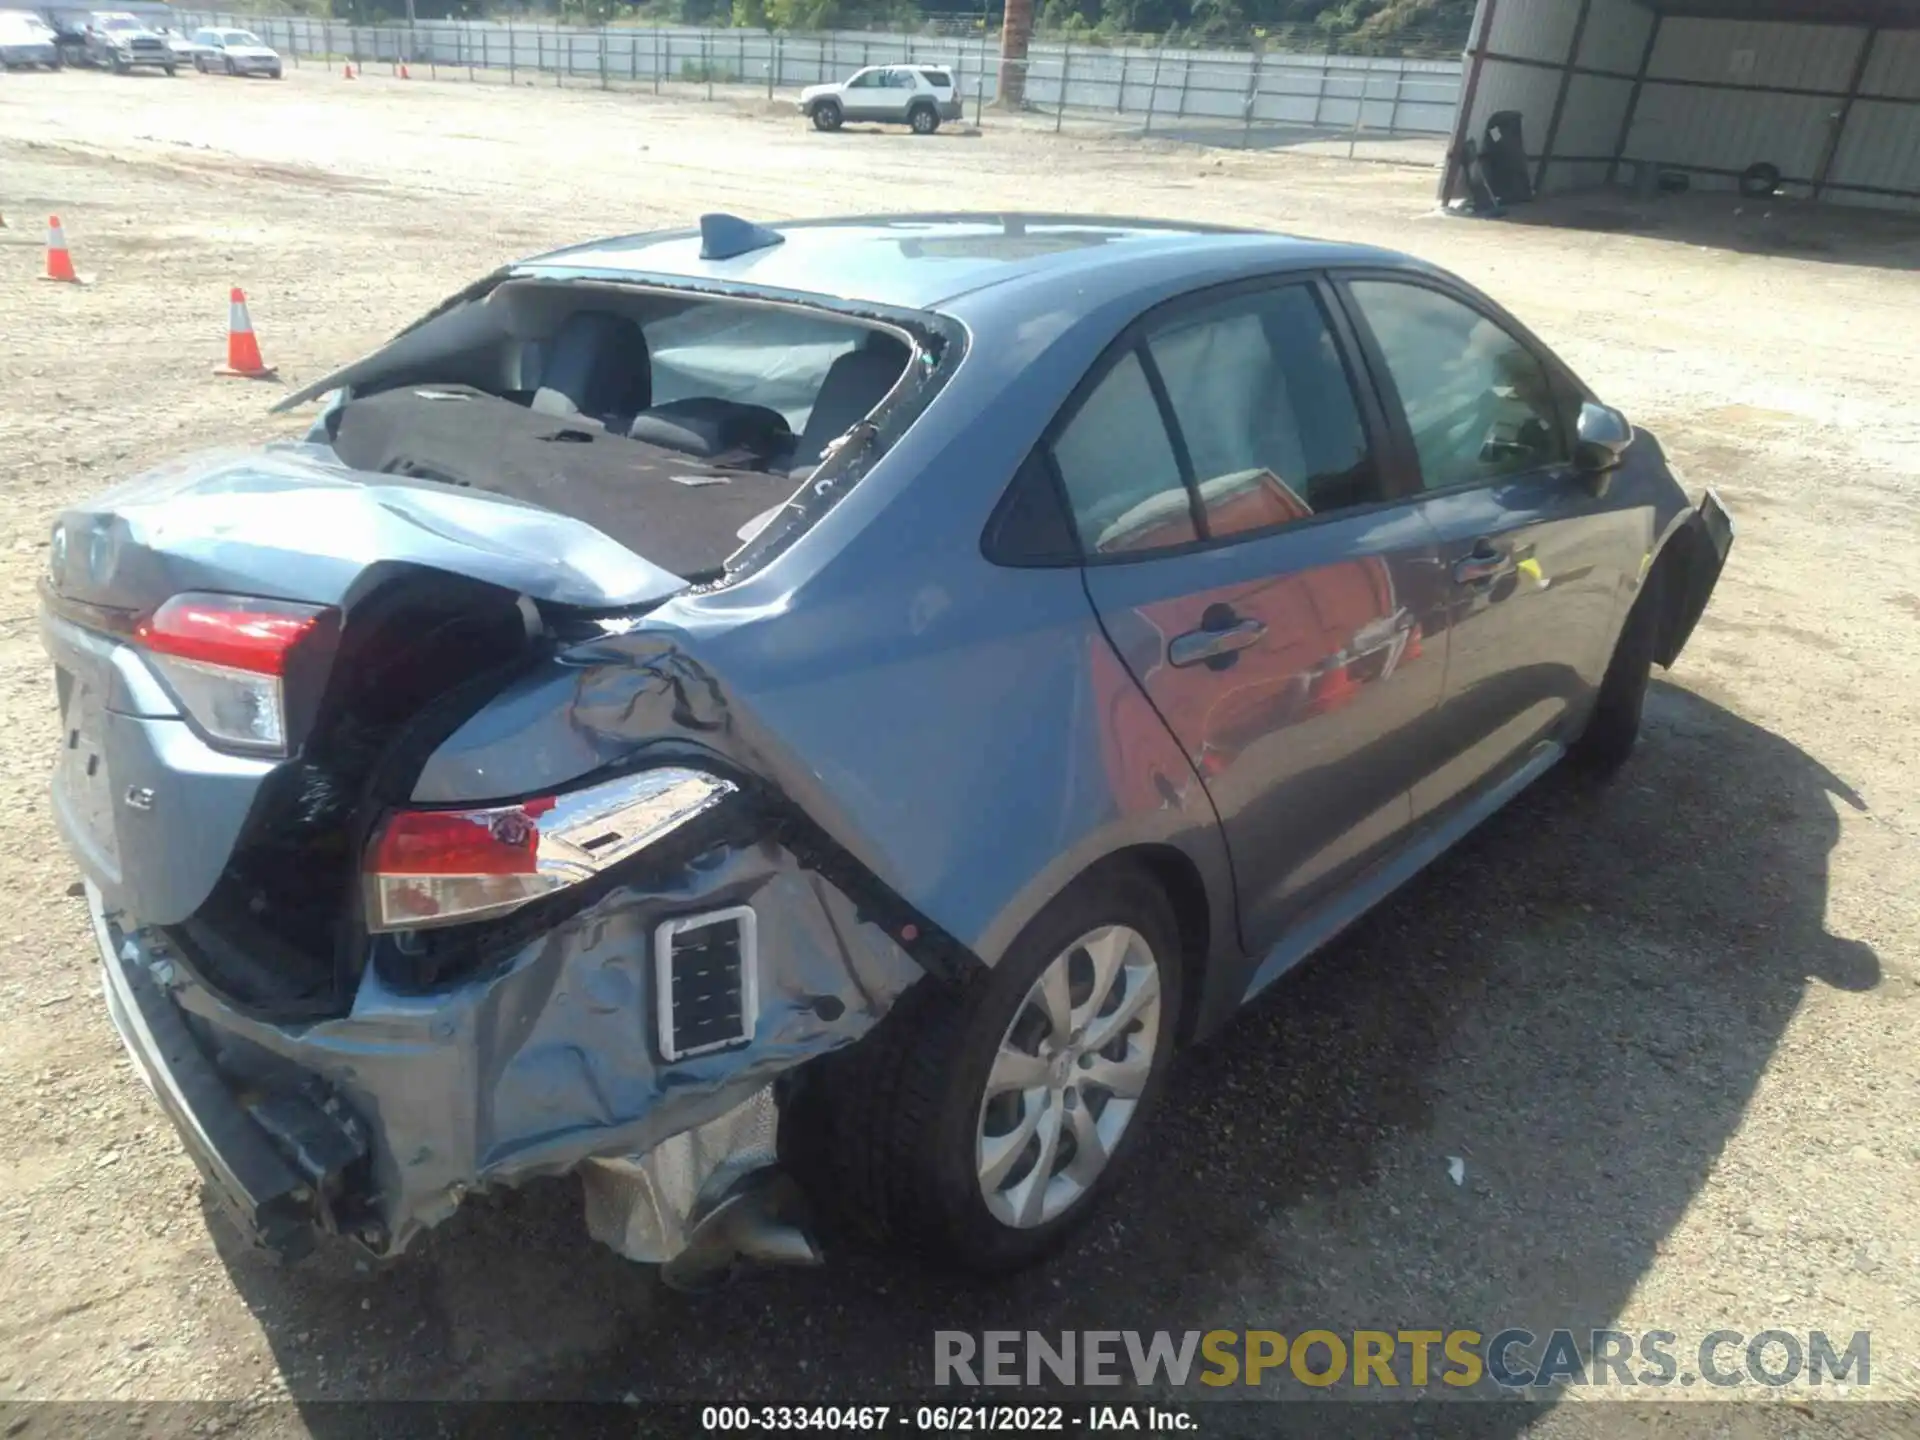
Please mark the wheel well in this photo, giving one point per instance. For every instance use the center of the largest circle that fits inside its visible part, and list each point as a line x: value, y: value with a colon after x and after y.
x: 1179, y: 879
x: 1675, y: 564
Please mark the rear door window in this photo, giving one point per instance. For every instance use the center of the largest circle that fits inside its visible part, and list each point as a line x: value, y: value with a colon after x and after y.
x: 1262, y: 402
x: 1117, y: 462
x: 1226, y: 420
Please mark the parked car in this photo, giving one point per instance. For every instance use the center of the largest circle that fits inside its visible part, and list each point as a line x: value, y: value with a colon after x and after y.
x: 917, y: 95
x: 238, y: 52
x: 119, y: 41
x: 824, y: 710
x: 27, y: 40
x: 185, y: 50
x: 69, y: 34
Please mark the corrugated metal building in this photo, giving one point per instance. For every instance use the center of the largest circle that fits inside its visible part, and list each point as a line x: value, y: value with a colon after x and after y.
x: 1827, y: 91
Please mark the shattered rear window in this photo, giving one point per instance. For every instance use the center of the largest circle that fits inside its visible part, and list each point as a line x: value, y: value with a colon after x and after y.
x: 701, y: 431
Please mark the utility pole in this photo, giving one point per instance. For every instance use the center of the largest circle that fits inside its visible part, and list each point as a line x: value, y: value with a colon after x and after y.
x: 1016, y: 32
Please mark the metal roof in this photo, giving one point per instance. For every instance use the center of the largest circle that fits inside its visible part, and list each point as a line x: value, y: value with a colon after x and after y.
x: 919, y: 261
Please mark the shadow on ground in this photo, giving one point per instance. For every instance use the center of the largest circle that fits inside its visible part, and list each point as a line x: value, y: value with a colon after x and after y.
x: 1579, y: 1001
x: 1835, y: 234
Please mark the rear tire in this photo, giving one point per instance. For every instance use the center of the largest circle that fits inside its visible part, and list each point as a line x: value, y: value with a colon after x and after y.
x: 1614, y: 727
x: 171, y: 70
x: 924, y: 119
x: 827, y: 116
x: 897, y: 1135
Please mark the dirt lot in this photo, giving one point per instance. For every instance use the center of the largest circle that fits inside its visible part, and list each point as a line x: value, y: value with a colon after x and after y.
x: 1668, y: 1028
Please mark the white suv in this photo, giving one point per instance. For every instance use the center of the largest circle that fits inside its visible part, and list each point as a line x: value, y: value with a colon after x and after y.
x: 917, y: 95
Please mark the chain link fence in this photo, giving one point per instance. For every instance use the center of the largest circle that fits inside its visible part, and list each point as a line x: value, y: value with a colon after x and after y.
x: 1278, y: 93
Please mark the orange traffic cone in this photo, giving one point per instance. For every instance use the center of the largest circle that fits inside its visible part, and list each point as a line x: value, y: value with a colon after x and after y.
x: 243, y: 350
x: 59, y: 262
x: 1335, y: 689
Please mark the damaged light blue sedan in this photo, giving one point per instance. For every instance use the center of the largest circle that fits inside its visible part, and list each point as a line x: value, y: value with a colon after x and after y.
x: 758, y: 715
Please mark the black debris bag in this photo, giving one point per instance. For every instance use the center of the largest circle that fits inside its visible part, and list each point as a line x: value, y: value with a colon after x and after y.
x: 1503, y: 157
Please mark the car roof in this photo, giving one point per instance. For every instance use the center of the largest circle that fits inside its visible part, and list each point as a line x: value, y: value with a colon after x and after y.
x: 924, y: 261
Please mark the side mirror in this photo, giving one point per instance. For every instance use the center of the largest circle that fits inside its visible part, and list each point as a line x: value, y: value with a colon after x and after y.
x: 1601, y: 437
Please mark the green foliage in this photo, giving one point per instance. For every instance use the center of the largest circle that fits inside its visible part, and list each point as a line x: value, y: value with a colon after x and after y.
x: 1334, y: 24
x: 1338, y: 24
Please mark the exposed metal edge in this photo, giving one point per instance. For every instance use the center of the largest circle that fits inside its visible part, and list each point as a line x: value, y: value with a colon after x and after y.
x: 258, y: 1189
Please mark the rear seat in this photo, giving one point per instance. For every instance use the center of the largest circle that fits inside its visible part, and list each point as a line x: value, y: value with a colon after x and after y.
x: 854, y: 384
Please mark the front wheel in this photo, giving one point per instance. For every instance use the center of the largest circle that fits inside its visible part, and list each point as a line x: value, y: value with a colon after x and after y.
x: 979, y: 1125
x: 1614, y: 727
x: 826, y: 116
x: 924, y: 120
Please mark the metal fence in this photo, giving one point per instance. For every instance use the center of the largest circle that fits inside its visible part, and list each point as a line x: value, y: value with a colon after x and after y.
x: 1396, y: 107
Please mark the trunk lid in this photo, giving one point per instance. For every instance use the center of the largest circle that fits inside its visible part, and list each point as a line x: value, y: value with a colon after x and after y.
x: 293, y: 523
x: 431, y: 585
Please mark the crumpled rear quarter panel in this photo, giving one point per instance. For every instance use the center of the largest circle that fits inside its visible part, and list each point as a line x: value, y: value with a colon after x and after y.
x: 553, y: 1058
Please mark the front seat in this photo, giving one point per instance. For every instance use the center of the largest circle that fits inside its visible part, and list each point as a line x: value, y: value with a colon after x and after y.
x: 596, y: 365
x: 855, y: 383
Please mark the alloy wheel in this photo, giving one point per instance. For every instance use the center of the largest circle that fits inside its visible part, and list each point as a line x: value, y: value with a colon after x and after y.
x: 1068, y: 1076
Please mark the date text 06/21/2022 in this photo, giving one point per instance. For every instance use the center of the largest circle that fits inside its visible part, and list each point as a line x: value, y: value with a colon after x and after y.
x: 940, y: 1419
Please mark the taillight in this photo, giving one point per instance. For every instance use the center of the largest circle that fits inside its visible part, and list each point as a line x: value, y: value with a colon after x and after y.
x: 444, y: 867
x: 226, y: 659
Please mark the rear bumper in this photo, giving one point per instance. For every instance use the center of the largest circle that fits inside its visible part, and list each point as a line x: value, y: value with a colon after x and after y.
x: 377, y: 1124
x: 271, y: 1202
x: 952, y: 110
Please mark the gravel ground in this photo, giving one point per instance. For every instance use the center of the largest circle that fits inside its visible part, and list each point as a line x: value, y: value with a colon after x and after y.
x: 1667, y: 1027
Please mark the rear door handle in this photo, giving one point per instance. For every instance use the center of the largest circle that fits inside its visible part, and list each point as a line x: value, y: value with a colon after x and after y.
x: 1481, y: 565
x: 1197, y: 646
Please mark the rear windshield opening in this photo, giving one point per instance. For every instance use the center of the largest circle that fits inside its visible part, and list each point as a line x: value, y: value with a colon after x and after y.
x: 678, y: 425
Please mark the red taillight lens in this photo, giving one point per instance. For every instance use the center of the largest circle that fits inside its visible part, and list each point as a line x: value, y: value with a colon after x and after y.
x: 225, y: 658
x: 441, y: 867
x: 505, y: 841
x: 228, y: 630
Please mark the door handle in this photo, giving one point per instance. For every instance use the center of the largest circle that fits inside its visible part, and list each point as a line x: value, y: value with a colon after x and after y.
x: 1481, y: 565
x: 1210, y: 644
